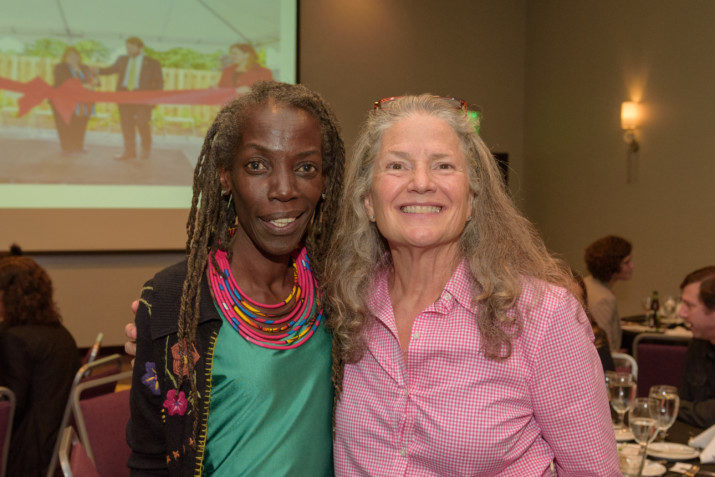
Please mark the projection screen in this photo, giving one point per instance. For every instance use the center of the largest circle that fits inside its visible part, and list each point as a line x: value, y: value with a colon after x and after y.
x: 98, y: 141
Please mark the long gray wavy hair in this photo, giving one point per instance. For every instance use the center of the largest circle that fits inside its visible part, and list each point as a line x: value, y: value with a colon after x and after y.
x: 501, y: 247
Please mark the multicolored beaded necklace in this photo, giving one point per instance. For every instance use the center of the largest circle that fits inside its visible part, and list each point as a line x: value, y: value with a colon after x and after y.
x: 259, y: 323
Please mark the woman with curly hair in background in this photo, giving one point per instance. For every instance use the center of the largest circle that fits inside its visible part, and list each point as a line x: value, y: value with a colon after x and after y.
x: 38, y: 360
x: 608, y: 260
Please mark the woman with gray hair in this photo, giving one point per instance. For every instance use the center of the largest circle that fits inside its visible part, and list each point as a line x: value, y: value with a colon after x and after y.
x: 458, y: 349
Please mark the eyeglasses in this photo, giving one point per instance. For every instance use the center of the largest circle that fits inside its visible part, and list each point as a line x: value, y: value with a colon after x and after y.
x: 456, y: 102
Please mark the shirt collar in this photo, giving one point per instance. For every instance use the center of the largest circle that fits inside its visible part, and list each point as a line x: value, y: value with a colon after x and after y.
x: 458, y: 288
x: 378, y: 301
x: 460, y: 285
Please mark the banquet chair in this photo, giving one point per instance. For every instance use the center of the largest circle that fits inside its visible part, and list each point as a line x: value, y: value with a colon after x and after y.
x: 7, y: 413
x: 101, y: 423
x: 661, y: 359
x: 74, y: 460
x: 625, y: 363
x: 85, y: 374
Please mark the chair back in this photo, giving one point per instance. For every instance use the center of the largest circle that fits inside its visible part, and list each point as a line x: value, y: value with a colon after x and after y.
x: 111, y: 369
x: 93, y: 350
x: 661, y: 359
x: 74, y: 460
x: 7, y: 414
x: 625, y: 363
x: 101, y: 422
x: 84, y: 374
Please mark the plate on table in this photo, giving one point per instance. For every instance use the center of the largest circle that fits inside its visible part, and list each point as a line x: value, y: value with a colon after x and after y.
x: 636, y: 328
x: 672, y: 451
x: 629, y: 455
x: 623, y: 435
x: 652, y: 469
x: 670, y: 320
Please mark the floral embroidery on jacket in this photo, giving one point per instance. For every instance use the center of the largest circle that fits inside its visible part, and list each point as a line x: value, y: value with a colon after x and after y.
x: 176, y: 402
x: 181, y: 364
x: 150, y: 379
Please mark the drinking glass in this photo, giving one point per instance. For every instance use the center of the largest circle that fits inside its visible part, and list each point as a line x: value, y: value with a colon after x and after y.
x: 667, y: 407
x: 646, y: 303
x: 650, y: 318
x: 621, y: 392
x: 642, y: 419
x: 670, y: 306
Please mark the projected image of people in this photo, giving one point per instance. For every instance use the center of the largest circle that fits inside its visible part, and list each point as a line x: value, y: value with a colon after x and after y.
x: 136, y: 72
x: 71, y: 133
x: 243, y: 69
x: 108, y: 97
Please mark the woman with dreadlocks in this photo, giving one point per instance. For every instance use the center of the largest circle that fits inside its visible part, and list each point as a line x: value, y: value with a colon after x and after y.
x: 233, y: 367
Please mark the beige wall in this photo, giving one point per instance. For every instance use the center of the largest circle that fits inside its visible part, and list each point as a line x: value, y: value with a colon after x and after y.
x: 583, y: 59
x: 353, y: 53
x: 94, y: 292
x: 550, y: 76
x: 357, y: 52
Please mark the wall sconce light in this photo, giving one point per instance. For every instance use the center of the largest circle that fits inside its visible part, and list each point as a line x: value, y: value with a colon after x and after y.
x: 630, y: 121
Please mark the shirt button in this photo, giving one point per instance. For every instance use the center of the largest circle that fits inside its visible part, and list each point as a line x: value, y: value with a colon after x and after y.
x: 416, y: 334
x: 401, y: 452
x: 405, y: 391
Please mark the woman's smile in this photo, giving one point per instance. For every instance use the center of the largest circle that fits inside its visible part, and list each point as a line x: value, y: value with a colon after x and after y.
x: 421, y: 209
x: 276, y: 179
x: 420, y: 195
x: 285, y: 223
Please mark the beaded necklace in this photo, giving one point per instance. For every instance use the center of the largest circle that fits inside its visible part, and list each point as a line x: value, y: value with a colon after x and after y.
x: 262, y: 324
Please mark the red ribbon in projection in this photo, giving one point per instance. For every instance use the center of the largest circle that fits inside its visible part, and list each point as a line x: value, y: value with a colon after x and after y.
x: 66, y: 96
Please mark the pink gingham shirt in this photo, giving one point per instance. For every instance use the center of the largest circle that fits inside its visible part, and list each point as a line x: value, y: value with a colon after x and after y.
x: 446, y: 410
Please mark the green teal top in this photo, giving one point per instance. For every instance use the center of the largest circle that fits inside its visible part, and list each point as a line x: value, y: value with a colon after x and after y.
x: 270, y: 412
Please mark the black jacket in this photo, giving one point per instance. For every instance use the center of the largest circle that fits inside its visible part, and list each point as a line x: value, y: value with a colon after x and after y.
x: 38, y: 363
x: 162, y: 442
x: 697, y: 393
x: 150, y: 77
x: 61, y: 73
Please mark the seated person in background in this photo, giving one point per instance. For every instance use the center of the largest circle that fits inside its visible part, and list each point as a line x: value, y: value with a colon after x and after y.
x: 697, y: 393
x: 608, y: 260
x: 38, y: 361
x: 601, y: 340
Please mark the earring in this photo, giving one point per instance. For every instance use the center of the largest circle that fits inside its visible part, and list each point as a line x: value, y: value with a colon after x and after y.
x: 322, y: 196
x: 372, y: 218
x: 230, y: 198
x: 230, y: 229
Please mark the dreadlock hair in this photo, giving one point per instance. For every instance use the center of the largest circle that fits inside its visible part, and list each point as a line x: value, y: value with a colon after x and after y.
x: 212, y: 213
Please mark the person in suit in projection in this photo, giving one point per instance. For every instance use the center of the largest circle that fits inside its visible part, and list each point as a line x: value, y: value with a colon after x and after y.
x: 135, y: 71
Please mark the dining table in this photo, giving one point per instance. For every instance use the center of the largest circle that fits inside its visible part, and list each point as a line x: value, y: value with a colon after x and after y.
x: 632, y: 326
x: 680, y: 433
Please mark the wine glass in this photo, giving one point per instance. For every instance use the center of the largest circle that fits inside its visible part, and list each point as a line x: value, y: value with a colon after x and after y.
x: 667, y: 407
x: 670, y: 306
x: 646, y: 303
x: 621, y: 392
x: 642, y: 419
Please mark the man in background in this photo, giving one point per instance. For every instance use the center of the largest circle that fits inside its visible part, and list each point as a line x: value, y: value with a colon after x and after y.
x: 697, y: 393
x: 135, y: 71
